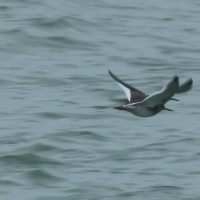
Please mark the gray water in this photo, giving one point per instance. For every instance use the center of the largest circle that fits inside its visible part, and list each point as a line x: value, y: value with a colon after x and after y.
x: 60, y: 137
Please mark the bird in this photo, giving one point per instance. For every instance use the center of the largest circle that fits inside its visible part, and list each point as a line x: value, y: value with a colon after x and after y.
x: 143, y: 105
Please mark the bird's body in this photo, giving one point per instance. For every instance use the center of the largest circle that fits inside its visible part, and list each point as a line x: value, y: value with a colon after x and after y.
x: 141, y: 110
x: 143, y: 105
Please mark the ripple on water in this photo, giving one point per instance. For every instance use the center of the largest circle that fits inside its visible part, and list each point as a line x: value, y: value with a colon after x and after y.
x: 41, y: 177
x: 51, y: 115
x: 27, y: 159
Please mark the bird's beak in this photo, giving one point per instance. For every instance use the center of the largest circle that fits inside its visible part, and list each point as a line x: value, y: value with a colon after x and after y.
x: 118, y: 107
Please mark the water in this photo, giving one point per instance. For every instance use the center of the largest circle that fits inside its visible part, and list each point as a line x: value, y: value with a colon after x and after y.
x: 60, y: 137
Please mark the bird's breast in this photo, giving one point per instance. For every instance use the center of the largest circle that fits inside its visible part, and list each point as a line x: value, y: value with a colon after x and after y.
x: 143, y: 111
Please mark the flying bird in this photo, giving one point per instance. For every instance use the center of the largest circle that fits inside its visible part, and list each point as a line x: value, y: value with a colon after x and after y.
x: 143, y: 105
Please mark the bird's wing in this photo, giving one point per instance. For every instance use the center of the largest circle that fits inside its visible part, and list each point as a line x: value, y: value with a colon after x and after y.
x: 186, y: 86
x: 132, y: 93
x: 164, y: 95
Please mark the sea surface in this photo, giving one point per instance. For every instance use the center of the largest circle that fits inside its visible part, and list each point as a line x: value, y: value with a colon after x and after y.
x: 60, y: 138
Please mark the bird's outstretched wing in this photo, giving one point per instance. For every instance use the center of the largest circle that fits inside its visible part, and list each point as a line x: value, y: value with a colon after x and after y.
x: 186, y: 86
x: 164, y: 95
x: 132, y: 93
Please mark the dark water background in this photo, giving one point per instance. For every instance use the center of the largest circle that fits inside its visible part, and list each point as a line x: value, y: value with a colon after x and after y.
x: 60, y: 138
